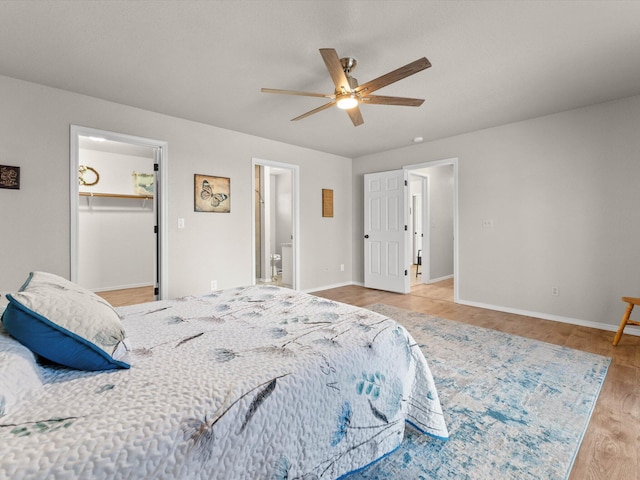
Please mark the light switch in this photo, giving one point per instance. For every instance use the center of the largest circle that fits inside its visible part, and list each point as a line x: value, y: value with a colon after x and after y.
x: 181, y: 223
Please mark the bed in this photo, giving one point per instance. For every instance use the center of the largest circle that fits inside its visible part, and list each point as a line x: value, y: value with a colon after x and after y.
x: 256, y: 382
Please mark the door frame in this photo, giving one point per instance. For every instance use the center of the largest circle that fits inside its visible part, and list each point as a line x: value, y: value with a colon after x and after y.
x: 295, y: 216
x: 426, y: 244
x: 416, y: 225
x: 160, y: 197
x: 425, y: 239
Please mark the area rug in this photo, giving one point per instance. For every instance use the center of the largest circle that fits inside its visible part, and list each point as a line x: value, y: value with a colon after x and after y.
x: 515, y: 408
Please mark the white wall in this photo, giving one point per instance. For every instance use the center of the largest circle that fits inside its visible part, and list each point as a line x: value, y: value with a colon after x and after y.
x: 273, y: 217
x: 34, y: 127
x: 115, y: 170
x: 283, y: 210
x: 563, y: 193
x: 440, y: 228
x: 116, y: 243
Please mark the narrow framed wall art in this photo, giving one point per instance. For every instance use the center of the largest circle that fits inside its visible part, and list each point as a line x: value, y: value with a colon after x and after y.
x: 327, y: 202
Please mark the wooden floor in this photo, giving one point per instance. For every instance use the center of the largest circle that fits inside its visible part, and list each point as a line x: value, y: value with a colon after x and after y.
x: 611, y: 446
x: 610, y: 449
x: 128, y: 296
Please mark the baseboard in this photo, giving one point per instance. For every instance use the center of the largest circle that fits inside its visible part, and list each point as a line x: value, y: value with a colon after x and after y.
x: 436, y: 280
x: 122, y: 287
x: 328, y: 287
x: 630, y: 330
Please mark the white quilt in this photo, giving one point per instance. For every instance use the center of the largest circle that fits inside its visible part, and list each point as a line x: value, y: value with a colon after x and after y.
x: 248, y: 383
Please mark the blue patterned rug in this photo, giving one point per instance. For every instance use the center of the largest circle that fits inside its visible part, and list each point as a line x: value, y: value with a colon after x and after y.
x: 515, y: 408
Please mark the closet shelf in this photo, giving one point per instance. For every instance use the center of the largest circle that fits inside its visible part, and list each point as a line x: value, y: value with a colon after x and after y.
x: 115, y: 195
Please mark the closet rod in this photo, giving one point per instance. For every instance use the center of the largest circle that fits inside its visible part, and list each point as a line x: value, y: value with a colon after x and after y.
x: 114, y: 195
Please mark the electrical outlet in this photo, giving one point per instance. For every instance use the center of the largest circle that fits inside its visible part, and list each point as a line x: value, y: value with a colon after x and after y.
x: 555, y: 291
x: 487, y: 223
x: 342, y: 267
x: 214, y: 285
x: 181, y: 223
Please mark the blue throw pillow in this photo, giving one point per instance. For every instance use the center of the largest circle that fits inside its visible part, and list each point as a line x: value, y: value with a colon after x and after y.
x: 65, y: 323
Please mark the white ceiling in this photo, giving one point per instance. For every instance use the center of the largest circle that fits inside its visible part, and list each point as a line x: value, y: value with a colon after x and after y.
x: 494, y: 62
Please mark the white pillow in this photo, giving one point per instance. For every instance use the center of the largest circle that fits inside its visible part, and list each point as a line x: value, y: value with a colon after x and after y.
x: 19, y: 373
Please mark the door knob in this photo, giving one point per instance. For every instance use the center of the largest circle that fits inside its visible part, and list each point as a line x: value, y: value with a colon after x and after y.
x: 366, y: 236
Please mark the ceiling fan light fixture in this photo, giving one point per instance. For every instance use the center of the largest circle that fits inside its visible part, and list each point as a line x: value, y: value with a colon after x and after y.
x: 345, y: 102
x: 348, y: 94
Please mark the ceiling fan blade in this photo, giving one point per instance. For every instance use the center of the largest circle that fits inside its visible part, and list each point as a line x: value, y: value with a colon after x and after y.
x: 391, y: 77
x: 355, y: 116
x: 331, y: 60
x: 294, y: 92
x: 402, y: 101
x: 315, y: 110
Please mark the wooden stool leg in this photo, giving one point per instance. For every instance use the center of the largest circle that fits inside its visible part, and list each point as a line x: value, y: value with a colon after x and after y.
x: 623, y: 324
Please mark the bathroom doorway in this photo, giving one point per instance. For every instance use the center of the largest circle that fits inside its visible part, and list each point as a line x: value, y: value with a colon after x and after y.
x: 275, y: 224
x: 433, y: 187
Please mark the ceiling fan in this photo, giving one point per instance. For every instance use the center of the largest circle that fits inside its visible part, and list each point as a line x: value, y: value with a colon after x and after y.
x: 349, y: 95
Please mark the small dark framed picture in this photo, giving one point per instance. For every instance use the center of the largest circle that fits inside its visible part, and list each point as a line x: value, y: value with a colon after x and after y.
x: 211, y: 194
x: 9, y: 177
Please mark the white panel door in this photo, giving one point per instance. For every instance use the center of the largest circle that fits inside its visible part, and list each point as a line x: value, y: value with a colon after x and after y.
x: 385, y: 231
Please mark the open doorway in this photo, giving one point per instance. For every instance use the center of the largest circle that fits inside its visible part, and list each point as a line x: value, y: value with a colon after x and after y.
x: 418, y: 185
x: 117, y: 209
x: 433, y: 217
x: 275, y: 224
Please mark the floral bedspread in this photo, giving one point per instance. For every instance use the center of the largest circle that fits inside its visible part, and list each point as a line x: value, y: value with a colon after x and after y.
x: 248, y: 383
